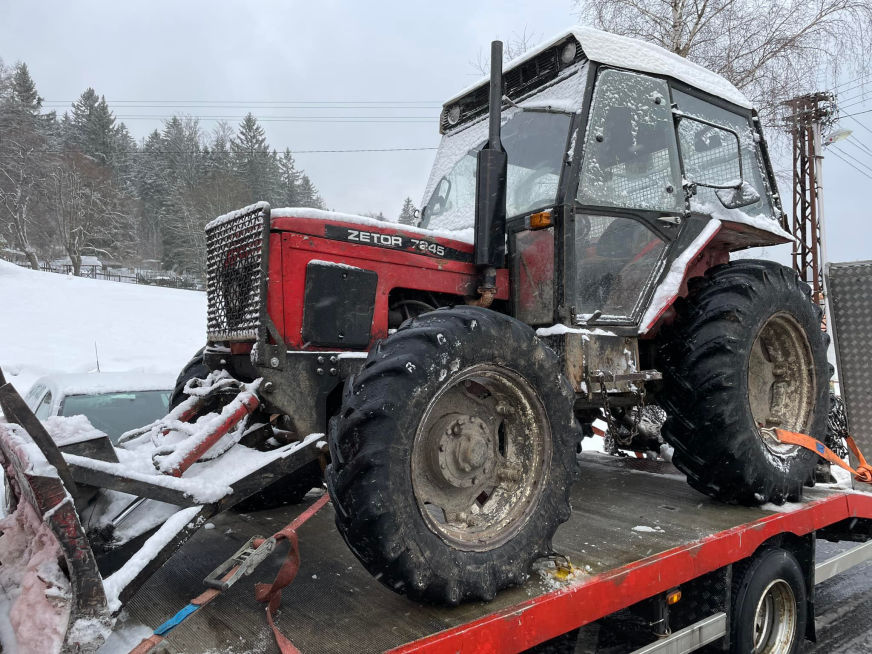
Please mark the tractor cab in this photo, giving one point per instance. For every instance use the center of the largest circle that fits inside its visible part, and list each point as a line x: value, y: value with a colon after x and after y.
x: 619, y: 156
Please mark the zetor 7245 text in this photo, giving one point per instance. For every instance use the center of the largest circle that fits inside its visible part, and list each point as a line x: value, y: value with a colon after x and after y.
x: 571, y: 262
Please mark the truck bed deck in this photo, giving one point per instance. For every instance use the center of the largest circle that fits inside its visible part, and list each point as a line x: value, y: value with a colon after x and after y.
x: 636, y: 529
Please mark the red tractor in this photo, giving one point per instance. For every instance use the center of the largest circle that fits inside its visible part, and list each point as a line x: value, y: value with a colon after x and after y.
x: 572, y: 262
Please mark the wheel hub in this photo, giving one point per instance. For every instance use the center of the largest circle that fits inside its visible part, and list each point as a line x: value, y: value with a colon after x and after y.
x: 480, y: 457
x: 781, y: 381
x: 775, y: 619
x: 467, y: 451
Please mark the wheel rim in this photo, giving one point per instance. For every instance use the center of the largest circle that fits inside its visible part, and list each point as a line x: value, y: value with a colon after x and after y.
x: 480, y: 457
x: 781, y: 381
x: 775, y: 619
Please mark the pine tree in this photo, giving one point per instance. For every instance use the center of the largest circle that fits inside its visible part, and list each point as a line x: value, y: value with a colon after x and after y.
x: 289, y: 176
x: 253, y: 162
x: 309, y: 196
x: 24, y: 89
x: 407, y: 214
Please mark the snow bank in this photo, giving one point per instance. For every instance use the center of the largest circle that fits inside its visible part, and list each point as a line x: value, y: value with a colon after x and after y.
x: 50, y: 322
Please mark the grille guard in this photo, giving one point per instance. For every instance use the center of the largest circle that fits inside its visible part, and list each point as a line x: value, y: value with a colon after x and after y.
x: 237, y: 270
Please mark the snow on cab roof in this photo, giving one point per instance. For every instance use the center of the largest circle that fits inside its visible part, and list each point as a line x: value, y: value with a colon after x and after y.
x: 633, y: 54
x: 106, y: 382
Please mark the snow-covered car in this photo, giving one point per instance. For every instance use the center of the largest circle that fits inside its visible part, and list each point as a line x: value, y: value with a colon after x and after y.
x: 113, y: 402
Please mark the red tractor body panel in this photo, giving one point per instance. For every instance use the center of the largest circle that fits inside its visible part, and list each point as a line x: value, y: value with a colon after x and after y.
x: 408, y: 259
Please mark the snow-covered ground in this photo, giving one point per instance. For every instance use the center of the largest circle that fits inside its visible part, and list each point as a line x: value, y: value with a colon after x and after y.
x: 51, y: 322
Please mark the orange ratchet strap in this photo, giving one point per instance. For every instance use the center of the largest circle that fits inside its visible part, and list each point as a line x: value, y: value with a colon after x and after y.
x: 862, y: 473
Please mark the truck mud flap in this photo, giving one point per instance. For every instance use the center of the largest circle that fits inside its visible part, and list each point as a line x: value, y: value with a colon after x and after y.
x: 48, y: 572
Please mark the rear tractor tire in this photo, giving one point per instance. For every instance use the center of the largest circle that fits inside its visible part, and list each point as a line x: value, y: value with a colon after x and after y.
x: 453, y: 455
x: 745, y: 355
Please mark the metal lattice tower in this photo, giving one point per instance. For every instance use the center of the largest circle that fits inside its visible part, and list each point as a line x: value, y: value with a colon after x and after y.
x: 808, y: 115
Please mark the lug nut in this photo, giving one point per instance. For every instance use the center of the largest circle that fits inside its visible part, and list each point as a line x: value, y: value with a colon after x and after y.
x: 274, y: 362
x: 334, y: 371
x: 268, y: 387
x: 319, y: 371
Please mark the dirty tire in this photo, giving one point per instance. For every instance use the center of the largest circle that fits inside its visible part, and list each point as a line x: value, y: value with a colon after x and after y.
x: 769, y: 606
x: 708, y: 392
x: 194, y: 369
x: 387, y: 410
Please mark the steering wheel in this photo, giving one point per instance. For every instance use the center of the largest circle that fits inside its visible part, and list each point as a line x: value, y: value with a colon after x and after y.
x: 532, y: 183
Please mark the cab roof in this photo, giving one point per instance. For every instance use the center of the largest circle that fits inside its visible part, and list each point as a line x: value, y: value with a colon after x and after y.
x: 632, y: 54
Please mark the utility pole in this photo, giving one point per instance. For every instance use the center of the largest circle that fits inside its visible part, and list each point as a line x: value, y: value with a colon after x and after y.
x: 809, y: 114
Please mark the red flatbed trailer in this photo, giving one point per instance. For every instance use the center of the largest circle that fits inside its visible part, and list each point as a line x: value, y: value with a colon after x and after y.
x: 637, y: 531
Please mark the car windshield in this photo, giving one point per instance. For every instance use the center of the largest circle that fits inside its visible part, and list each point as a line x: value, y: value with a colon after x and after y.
x: 116, y: 413
x: 535, y: 142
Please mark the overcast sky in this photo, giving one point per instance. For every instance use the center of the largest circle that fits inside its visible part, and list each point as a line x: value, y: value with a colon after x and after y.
x: 395, y: 61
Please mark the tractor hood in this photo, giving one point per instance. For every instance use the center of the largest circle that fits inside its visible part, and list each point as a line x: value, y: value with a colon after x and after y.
x: 362, y: 230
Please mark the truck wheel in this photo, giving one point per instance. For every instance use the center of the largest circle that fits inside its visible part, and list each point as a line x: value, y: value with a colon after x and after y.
x: 745, y: 354
x: 453, y: 455
x: 195, y: 368
x: 769, y: 609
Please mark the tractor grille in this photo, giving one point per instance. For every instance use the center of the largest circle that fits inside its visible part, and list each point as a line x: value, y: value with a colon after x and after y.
x: 236, y: 273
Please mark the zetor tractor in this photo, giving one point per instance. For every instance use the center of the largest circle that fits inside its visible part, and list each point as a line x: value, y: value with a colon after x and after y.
x: 571, y: 262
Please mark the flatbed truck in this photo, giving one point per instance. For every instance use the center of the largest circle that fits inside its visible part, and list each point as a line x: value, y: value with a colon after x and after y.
x: 643, y: 537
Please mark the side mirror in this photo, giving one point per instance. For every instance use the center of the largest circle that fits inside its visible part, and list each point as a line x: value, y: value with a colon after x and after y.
x: 741, y: 196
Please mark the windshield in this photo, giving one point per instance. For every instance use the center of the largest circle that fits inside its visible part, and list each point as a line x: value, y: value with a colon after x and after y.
x: 535, y: 142
x: 116, y: 413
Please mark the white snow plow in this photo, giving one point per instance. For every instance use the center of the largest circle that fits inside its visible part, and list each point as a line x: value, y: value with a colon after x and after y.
x: 86, y: 523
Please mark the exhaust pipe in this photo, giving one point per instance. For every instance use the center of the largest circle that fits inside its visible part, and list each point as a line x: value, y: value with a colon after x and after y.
x: 490, y: 179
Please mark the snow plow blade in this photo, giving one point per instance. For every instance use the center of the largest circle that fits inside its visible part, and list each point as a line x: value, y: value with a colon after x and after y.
x: 70, y: 554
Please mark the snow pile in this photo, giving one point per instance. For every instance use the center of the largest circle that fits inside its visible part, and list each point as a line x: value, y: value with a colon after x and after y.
x: 34, y: 593
x: 50, y: 323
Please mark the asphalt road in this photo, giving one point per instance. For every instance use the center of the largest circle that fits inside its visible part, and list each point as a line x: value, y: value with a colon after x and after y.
x: 843, y: 608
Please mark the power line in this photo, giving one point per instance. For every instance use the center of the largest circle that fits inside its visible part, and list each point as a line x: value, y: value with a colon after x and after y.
x: 836, y: 154
x: 228, y: 103
x: 851, y: 81
x: 859, y: 123
x: 858, y: 113
x: 857, y: 142
x: 296, y: 119
x: 849, y: 155
x: 227, y: 152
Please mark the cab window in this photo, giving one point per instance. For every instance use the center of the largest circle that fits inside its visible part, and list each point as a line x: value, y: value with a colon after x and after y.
x: 716, y: 159
x: 630, y: 155
x: 616, y: 260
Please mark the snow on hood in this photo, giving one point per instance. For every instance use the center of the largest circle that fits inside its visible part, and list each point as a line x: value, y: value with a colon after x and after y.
x: 462, y: 235
x: 633, y: 54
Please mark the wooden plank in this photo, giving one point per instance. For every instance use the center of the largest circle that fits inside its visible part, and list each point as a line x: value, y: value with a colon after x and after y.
x: 100, y: 479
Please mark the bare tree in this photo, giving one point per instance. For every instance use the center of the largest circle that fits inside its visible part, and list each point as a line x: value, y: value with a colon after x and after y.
x: 513, y: 47
x: 21, y: 176
x: 772, y: 50
x: 85, y: 211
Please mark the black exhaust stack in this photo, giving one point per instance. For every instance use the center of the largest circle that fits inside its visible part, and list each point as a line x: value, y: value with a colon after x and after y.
x: 490, y: 179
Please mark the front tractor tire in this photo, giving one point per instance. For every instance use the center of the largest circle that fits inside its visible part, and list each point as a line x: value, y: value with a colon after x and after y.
x: 453, y: 455
x: 745, y: 355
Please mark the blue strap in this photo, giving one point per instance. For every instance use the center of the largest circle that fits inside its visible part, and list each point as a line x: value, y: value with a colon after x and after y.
x: 174, y: 621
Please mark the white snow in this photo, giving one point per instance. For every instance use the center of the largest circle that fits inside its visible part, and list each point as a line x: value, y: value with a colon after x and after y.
x: 119, y: 580
x: 50, y: 322
x: 761, y: 222
x: 667, y: 290
x: 230, y: 215
x: 633, y: 54
x: 333, y: 264
x: 648, y: 530
x: 70, y: 430
x: 555, y: 330
x: 463, y: 236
